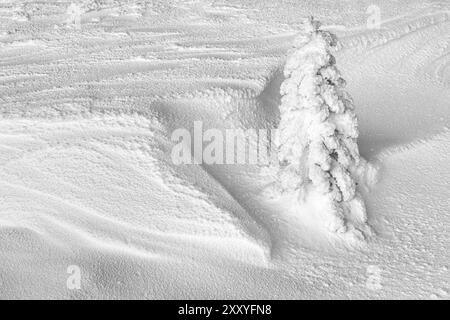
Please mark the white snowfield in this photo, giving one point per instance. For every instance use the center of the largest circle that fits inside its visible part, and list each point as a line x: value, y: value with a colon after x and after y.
x: 88, y: 188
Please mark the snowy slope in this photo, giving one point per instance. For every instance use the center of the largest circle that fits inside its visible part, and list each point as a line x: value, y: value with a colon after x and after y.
x: 86, y: 177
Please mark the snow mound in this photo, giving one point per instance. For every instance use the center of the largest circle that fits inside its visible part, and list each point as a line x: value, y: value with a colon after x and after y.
x: 105, y: 181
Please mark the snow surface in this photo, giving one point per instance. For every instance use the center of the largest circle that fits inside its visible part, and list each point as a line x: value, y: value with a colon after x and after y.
x: 86, y: 177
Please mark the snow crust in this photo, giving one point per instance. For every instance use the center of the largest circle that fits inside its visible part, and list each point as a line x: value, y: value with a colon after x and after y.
x: 86, y: 179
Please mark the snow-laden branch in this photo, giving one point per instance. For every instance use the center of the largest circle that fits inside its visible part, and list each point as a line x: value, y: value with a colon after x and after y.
x: 317, y: 146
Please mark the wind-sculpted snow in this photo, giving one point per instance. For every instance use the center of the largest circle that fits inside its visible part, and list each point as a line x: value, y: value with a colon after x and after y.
x: 87, y: 108
x: 111, y: 168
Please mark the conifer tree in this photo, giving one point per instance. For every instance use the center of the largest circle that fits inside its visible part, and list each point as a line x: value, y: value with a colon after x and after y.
x: 317, y: 143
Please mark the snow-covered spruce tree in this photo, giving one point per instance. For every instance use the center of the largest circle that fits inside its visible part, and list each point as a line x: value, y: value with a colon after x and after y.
x: 317, y: 142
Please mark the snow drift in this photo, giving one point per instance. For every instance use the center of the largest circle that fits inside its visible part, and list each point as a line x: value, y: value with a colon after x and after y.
x: 86, y: 180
